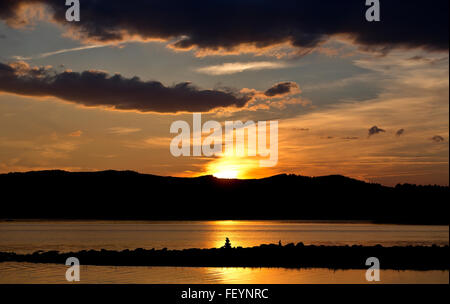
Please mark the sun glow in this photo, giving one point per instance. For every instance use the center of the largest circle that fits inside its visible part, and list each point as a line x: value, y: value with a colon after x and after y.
x: 230, y: 167
x: 227, y: 174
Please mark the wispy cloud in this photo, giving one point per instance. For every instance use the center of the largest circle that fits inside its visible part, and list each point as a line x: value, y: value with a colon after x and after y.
x: 44, y: 55
x: 412, y: 98
x: 239, y: 67
x: 123, y: 131
x: 77, y: 133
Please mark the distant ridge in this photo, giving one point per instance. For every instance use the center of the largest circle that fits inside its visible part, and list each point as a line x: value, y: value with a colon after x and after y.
x: 130, y: 195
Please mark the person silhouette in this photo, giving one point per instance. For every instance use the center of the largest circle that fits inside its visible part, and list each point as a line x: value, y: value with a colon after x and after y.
x: 227, y: 244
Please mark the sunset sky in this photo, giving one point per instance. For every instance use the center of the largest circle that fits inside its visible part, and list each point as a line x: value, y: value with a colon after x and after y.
x: 102, y: 93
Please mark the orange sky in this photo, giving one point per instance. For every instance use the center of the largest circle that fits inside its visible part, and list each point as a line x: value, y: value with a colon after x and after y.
x: 338, y: 91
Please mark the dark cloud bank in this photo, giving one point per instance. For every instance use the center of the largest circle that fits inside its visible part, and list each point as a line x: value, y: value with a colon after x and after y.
x: 212, y: 24
x: 94, y: 88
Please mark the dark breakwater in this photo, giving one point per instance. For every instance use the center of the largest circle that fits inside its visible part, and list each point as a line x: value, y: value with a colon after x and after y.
x: 288, y: 256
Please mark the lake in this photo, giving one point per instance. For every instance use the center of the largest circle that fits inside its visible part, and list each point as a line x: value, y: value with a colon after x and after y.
x: 31, y: 273
x: 30, y: 236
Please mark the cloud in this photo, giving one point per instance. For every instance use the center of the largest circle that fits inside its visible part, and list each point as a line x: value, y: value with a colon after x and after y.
x: 151, y: 142
x: 77, y: 133
x: 123, y: 130
x: 158, y: 141
x: 375, y: 130
x: 47, y: 147
x: 437, y: 138
x: 282, y: 88
x: 214, y: 25
x: 238, y: 67
x: 44, y: 55
x: 96, y: 88
x: 400, y: 132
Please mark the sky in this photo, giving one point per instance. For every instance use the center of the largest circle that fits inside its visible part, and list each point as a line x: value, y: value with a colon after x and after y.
x: 368, y: 100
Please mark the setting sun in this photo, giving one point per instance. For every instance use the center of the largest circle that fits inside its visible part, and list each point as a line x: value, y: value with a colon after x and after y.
x: 226, y: 174
x: 230, y: 167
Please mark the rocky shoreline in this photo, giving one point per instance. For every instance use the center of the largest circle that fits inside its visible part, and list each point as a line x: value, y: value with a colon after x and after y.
x: 271, y: 255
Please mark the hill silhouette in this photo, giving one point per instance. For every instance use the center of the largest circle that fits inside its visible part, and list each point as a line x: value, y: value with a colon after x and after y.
x: 131, y: 195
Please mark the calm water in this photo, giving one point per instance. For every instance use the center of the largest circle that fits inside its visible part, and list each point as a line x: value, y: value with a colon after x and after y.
x: 30, y: 236
x: 55, y: 274
x: 25, y: 237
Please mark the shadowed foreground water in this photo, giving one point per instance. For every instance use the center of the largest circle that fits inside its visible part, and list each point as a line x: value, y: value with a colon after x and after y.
x: 31, y: 273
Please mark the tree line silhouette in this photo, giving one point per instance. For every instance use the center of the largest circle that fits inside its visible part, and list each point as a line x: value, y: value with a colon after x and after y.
x: 131, y: 195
